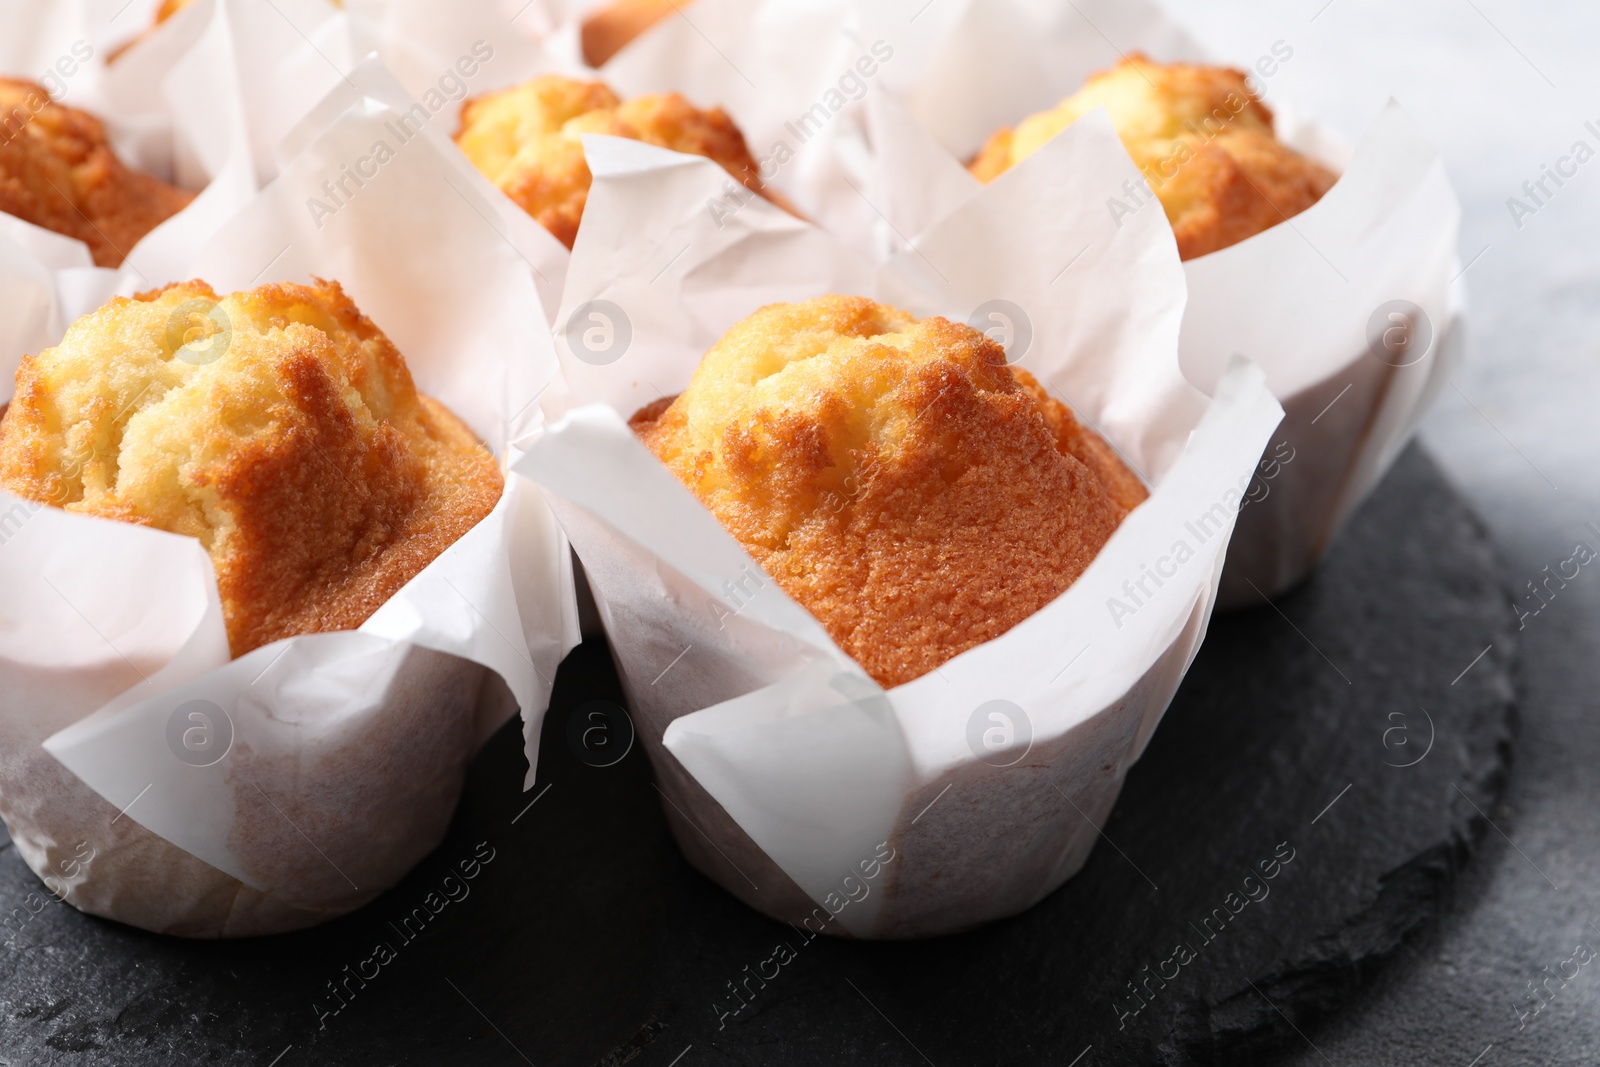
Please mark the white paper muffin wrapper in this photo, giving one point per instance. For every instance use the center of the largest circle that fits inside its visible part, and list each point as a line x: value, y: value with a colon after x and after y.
x: 340, y: 755
x: 173, y: 101
x: 1302, y: 300
x: 788, y: 774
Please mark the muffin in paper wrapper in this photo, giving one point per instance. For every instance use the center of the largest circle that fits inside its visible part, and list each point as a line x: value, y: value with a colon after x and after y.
x: 171, y: 103
x: 145, y: 775
x: 1355, y: 309
x: 788, y: 775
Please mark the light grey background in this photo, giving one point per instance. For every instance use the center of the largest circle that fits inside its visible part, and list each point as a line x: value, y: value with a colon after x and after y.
x: 1502, y: 88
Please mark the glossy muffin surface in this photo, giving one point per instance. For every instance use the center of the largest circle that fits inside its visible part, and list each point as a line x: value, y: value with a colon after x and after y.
x: 278, y: 426
x: 1204, y: 143
x: 894, y: 476
x: 528, y: 141
x: 58, y: 171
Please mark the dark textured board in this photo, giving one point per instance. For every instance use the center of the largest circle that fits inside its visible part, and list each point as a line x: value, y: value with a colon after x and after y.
x: 587, y: 940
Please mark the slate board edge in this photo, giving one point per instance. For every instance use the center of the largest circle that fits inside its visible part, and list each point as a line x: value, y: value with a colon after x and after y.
x: 1328, y: 973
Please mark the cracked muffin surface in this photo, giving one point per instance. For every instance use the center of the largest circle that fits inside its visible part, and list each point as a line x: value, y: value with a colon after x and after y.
x: 278, y: 426
x: 893, y: 475
x: 1203, y: 141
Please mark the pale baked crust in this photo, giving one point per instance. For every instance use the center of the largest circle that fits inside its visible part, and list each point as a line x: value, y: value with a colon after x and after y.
x: 1205, y: 145
x: 302, y: 457
x: 58, y: 171
x: 894, y: 476
x: 609, y: 29
x: 527, y: 140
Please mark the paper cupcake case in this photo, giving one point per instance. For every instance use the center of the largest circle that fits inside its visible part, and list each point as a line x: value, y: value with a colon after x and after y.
x: 1308, y: 300
x: 148, y: 777
x: 787, y: 774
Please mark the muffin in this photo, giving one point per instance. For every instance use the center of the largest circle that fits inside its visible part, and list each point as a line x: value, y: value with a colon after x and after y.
x: 527, y: 140
x: 611, y: 27
x: 1203, y: 141
x: 58, y: 172
x: 894, y: 476
x: 278, y: 426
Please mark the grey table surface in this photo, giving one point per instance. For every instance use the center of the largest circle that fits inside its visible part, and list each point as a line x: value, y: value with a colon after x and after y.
x: 1503, y: 89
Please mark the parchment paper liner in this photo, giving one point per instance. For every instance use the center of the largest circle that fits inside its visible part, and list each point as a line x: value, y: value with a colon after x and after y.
x: 347, y: 749
x: 1304, y: 299
x: 783, y: 767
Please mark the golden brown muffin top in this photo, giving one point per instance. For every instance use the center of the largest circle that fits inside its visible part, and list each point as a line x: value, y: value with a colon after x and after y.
x: 278, y: 426
x: 895, y: 476
x: 527, y: 140
x: 58, y: 172
x: 609, y: 29
x: 1203, y: 141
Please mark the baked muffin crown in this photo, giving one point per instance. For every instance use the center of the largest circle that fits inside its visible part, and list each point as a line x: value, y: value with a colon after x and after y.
x: 279, y: 427
x: 894, y: 476
x: 57, y: 171
x: 528, y: 141
x: 1204, y: 142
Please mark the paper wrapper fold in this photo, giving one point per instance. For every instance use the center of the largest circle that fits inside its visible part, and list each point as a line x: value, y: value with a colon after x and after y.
x: 787, y: 773
x: 148, y: 777
x: 1307, y: 300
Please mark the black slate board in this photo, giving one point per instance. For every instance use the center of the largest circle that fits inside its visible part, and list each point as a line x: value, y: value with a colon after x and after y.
x: 587, y: 940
